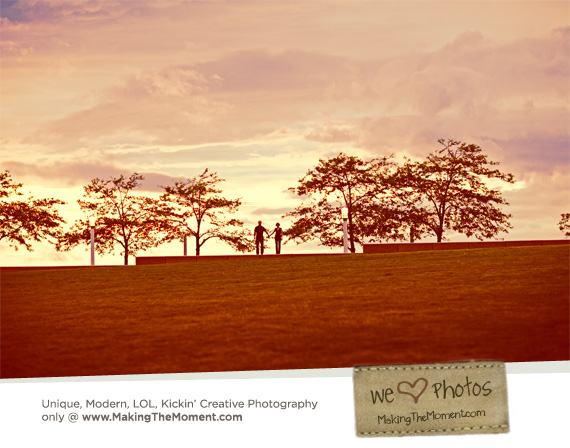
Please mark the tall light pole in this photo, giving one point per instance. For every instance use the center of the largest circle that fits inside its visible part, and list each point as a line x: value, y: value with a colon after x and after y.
x: 92, y: 225
x: 344, y: 212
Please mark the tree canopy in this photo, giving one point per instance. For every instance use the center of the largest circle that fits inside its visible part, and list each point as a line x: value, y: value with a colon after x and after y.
x: 195, y: 207
x: 564, y: 224
x: 448, y: 192
x: 23, y: 222
x: 121, y: 218
x: 344, y: 181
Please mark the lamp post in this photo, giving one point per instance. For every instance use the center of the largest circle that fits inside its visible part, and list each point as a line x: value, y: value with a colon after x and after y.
x: 344, y: 212
x: 92, y: 225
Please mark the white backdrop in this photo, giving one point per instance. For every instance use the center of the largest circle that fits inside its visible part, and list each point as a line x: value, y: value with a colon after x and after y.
x: 538, y: 409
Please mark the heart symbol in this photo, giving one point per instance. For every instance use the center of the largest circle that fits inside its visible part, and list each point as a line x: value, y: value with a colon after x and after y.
x: 412, y: 387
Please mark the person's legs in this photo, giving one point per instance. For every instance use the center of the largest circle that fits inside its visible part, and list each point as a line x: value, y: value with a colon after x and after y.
x: 257, y: 247
x: 261, y: 244
x: 277, y: 246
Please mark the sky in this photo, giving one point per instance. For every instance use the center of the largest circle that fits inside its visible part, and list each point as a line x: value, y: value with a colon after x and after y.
x: 259, y: 91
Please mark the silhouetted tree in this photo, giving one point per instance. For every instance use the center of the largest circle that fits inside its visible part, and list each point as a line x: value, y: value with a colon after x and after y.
x: 22, y: 222
x: 345, y: 181
x: 448, y: 192
x: 122, y: 218
x: 196, y: 208
x: 413, y: 218
x: 564, y: 224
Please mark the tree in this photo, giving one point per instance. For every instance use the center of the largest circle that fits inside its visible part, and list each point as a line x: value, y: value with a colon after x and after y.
x: 121, y: 218
x: 448, y: 192
x: 345, y: 181
x: 413, y: 218
x: 564, y: 224
x: 24, y: 221
x: 195, y: 207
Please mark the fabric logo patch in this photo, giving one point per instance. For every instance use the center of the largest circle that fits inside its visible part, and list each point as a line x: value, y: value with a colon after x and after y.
x: 428, y: 399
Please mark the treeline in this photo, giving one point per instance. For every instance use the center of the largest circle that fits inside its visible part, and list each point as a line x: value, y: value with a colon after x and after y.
x: 447, y: 191
x: 126, y: 220
x: 385, y: 201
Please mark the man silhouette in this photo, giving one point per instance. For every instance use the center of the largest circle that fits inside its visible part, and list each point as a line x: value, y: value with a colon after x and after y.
x: 258, y: 234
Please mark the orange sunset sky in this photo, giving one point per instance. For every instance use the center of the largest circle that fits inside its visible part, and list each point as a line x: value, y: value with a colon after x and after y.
x: 260, y: 90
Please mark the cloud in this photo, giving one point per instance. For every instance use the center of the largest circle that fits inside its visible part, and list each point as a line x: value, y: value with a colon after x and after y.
x: 473, y: 72
x: 11, y: 47
x: 332, y: 133
x: 202, y: 155
x: 538, y: 152
x: 175, y: 82
x: 512, y: 94
x: 244, y: 95
x: 258, y: 70
x: 163, y: 120
x: 61, y: 173
x: 56, y: 11
x: 73, y: 174
x: 536, y: 209
x: 472, y: 86
x: 264, y: 211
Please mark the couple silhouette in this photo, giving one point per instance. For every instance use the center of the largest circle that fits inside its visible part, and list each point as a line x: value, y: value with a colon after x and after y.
x: 259, y: 233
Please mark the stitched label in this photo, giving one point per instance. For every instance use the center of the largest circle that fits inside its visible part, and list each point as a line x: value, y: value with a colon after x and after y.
x: 429, y: 399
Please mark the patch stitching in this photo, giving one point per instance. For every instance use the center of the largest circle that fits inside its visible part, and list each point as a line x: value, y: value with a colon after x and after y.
x: 359, y: 369
x: 474, y: 428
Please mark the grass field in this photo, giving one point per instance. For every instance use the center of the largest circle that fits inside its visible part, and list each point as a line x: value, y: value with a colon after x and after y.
x: 288, y: 313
